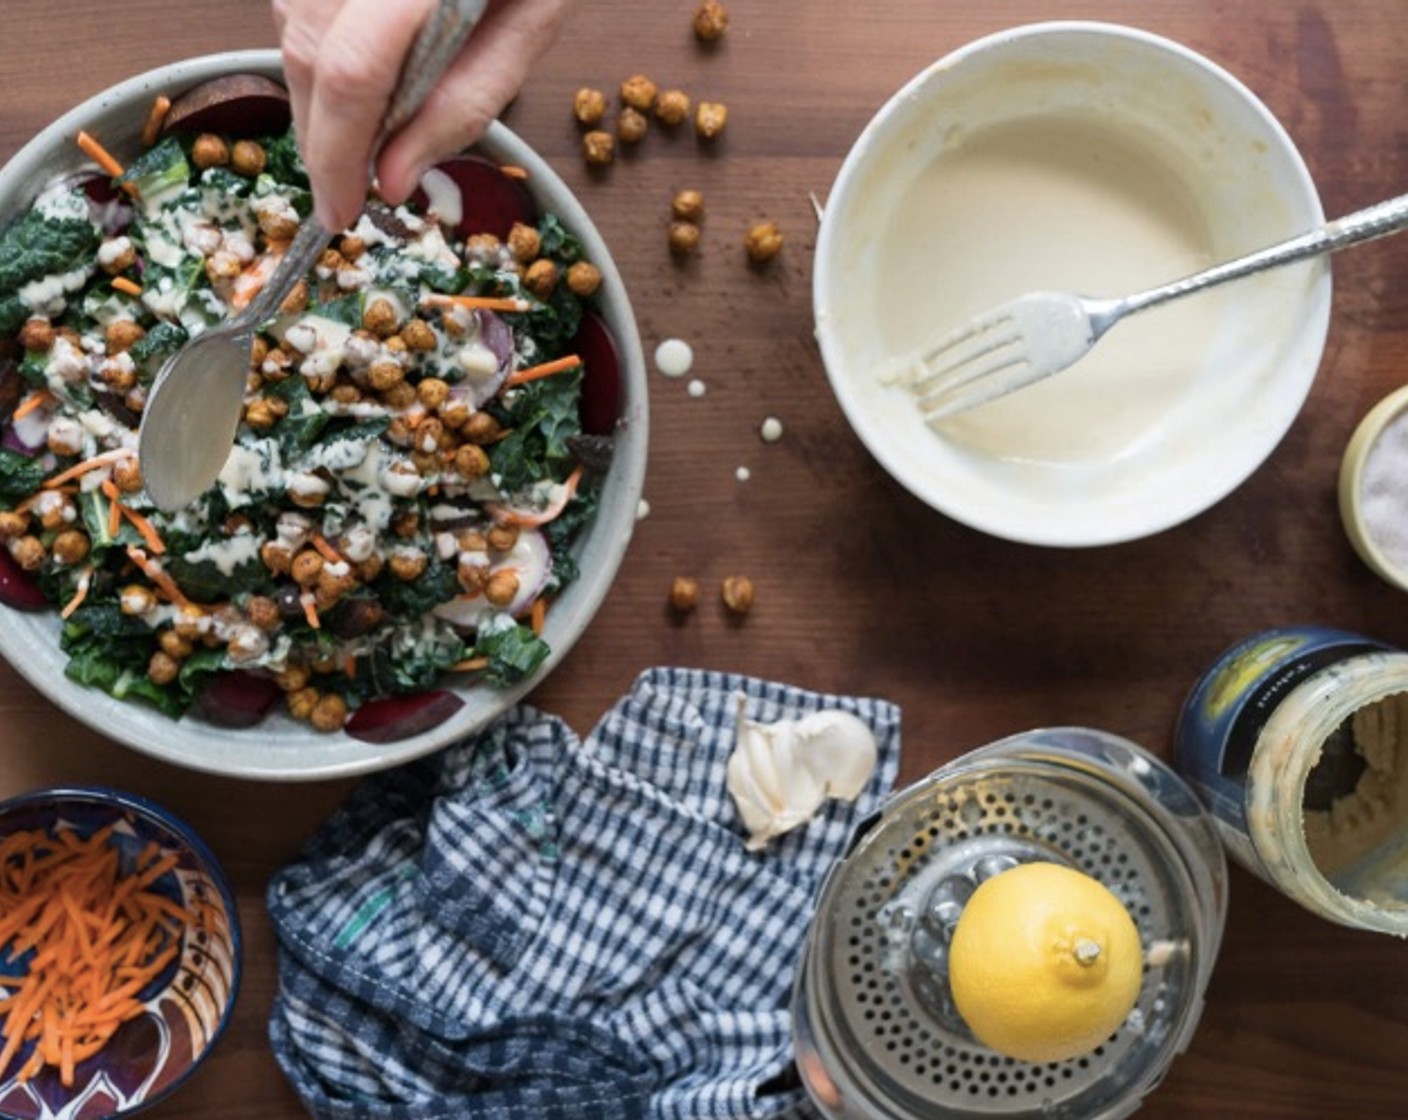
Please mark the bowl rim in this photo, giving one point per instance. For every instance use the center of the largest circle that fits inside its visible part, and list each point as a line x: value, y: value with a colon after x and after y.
x: 887, y: 454
x: 123, y: 800
x: 241, y: 752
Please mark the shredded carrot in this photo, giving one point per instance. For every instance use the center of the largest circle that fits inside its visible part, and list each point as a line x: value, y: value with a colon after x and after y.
x: 310, y: 610
x: 538, y: 615
x: 161, y: 105
x: 146, y: 528
x: 256, y: 274
x: 109, y: 488
x: 513, y: 171
x: 40, y: 398
x: 326, y: 550
x: 131, y: 287
x: 153, y: 571
x: 476, y: 303
x: 99, y: 935
x: 349, y: 666
x: 507, y: 515
x: 470, y: 665
x: 547, y: 369
x: 104, y: 459
x: 99, y: 154
x: 80, y: 593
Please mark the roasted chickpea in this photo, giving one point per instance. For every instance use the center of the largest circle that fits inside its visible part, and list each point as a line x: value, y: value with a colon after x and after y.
x: 247, y: 158
x: 135, y: 600
x: 307, y: 566
x: 177, y: 645
x: 163, y: 668
x: 632, y: 125
x: 541, y: 278
x: 683, y: 237
x: 737, y: 594
x: 13, y: 523
x: 297, y: 299
x: 385, y: 374
x: 482, y: 248
x: 589, y: 105
x: 408, y: 564
x: 672, y: 107
x: 189, y: 623
x: 524, y: 242
x: 70, y: 547
x: 351, y: 246
x: 583, y: 279
x: 471, y: 461
x: 261, y: 414
x: 28, y: 552
x: 710, y: 118
x: 710, y: 21
x: 481, y: 427
x: 599, y: 147
x: 380, y: 318
x: 684, y: 594
x: 687, y: 206
x: 117, y: 255
x: 638, y: 91
x: 501, y: 587
x: 455, y: 413
x: 370, y: 568
x: 277, y: 226
x: 122, y: 333
x: 329, y: 713
x: 406, y: 524
x: 433, y: 392
x: 302, y: 701
x: 263, y: 612
x: 136, y: 398
x: 293, y: 678
x: 419, y: 336
x: 763, y: 242
x: 127, y: 475
x: 344, y: 392
x: 118, y: 376
x: 37, y: 334
x: 501, y: 538
x: 210, y: 150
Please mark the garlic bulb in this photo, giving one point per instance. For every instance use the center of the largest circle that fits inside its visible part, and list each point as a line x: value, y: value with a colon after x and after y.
x: 780, y: 774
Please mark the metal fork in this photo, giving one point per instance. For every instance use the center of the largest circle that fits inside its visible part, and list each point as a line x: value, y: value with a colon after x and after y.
x: 1042, y: 333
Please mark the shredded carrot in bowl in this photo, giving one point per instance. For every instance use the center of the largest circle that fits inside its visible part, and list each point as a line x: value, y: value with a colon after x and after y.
x: 83, y: 933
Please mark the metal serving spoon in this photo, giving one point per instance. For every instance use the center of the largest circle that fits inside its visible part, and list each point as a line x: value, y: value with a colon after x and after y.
x: 193, y: 409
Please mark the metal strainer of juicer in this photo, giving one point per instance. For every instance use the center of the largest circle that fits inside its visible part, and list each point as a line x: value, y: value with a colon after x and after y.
x: 877, y: 1033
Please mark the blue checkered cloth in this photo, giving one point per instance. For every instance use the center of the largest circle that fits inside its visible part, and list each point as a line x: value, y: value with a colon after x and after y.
x: 529, y: 927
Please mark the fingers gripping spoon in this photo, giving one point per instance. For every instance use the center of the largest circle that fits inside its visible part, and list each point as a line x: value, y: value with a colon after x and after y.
x: 193, y: 410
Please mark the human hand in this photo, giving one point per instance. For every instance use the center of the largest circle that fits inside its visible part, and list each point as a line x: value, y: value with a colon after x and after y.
x: 342, y: 59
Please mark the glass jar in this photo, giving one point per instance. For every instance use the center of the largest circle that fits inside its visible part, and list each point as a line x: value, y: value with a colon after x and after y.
x: 1291, y: 740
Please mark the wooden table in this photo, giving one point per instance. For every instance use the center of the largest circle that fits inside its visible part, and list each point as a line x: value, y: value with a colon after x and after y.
x: 860, y: 587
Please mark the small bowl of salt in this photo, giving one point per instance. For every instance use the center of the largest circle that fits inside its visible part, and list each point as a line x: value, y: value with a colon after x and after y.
x: 1373, y: 488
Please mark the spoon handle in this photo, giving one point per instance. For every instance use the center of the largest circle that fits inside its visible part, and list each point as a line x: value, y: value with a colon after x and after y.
x: 437, y: 43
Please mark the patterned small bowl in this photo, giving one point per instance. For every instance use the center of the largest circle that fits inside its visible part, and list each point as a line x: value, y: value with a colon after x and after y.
x: 185, y: 1006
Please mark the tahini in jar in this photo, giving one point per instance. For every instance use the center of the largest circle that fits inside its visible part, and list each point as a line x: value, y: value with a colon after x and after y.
x: 1297, y: 741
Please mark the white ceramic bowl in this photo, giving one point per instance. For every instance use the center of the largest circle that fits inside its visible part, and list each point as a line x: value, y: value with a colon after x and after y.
x: 280, y: 748
x: 1086, y: 157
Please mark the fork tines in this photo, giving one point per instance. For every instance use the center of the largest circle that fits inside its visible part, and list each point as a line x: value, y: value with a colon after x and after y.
x: 975, y: 351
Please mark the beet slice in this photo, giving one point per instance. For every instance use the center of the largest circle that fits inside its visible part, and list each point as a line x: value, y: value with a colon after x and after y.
x: 601, y: 375
x: 489, y: 200
x: 239, y: 105
x: 399, y: 717
x: 237, y: 698
x: 18, y: 588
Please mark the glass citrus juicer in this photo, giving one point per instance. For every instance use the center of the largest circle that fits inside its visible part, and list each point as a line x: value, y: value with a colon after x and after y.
x: 877, y: 1034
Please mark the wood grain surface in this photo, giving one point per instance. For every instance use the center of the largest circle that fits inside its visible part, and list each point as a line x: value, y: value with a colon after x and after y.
x: 860, y: 587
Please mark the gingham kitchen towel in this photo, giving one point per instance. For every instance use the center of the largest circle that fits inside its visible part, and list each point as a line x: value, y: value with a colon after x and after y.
x: 529, y: 927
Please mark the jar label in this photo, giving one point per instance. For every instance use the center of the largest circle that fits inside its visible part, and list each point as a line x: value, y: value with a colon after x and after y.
x: 1224, y: 714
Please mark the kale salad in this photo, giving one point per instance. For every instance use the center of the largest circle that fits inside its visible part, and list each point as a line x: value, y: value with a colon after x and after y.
x: 410, y: 469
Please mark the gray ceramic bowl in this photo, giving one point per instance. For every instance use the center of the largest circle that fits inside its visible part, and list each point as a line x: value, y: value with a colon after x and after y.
x: 280, y: 748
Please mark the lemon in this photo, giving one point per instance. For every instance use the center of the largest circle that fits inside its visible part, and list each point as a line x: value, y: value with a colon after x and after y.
x: 1045, y: 963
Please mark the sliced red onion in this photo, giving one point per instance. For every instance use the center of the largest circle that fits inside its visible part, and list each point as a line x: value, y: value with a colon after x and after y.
x: 530, y: 559
x: 496, y: 336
